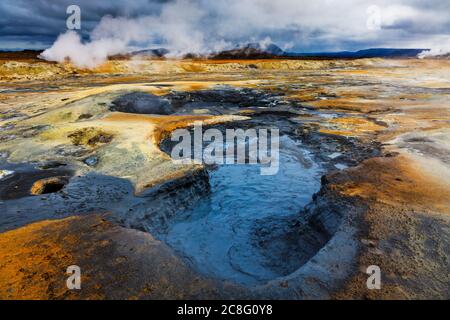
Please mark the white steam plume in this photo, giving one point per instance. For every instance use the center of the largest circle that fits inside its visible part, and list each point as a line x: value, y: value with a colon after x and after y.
x: 204, y: 26
x: 435, y: 52
x: 89, y: 55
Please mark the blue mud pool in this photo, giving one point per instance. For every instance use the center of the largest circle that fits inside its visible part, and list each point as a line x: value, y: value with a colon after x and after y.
x: 217, y: 235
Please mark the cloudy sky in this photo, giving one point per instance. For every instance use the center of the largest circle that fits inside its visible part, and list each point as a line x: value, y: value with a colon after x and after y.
x: 205, y: 25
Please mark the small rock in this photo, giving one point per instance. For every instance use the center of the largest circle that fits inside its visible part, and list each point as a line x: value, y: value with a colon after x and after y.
x: 375, y: 251
x: 334, y: 155
x: 391, y: 154
x: 341, y: 166
x: 8, y: 137
x: 5, y: 173
x: 84, y: 116
x: 7, y: 127
x: 91, y: 161
x: 369, y: 242
x: 4, y: 154
x: 51, y: 164
x: 69, y: 150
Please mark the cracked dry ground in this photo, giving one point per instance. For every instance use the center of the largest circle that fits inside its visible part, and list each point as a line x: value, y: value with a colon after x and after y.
x: 57, y: 123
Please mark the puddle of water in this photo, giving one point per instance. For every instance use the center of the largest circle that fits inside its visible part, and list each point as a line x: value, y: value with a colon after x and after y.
x: 217, y: 236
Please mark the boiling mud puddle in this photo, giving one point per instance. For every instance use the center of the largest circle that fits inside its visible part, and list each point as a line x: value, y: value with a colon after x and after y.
x: 217, y: 236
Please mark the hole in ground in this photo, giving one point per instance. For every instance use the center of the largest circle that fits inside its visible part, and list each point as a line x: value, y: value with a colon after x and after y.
x: 49, y: 185
x: 25, y: 178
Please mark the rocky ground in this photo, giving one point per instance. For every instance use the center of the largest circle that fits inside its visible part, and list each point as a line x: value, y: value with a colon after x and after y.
x: 84, y: 181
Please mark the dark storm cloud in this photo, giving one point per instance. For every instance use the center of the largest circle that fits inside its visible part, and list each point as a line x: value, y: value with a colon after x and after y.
x: 300, y: 24
x: 39, y: 22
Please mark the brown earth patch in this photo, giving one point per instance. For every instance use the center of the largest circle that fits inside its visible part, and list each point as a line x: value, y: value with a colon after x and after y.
x: 116, y: 263
x: 90, y: 137
x: 405, y: 230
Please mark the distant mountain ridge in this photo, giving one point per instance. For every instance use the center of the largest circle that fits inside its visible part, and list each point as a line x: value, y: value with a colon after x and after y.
x: 253, y: 51
x: 250, y: 51
x: 366, y: 53
x: 159, y: 52
x: 271, y: 51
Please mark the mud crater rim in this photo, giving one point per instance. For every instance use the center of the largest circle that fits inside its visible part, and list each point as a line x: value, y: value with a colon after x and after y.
x: 299, y: 221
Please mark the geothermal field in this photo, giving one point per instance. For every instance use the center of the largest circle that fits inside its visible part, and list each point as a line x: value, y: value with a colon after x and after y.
x: 87, y: 179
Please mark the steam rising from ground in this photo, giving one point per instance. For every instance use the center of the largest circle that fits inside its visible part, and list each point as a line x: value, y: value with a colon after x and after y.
x: 435, y: 52
x: 83, y: 55
x: 204, y: 26
x: 178, y: 28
